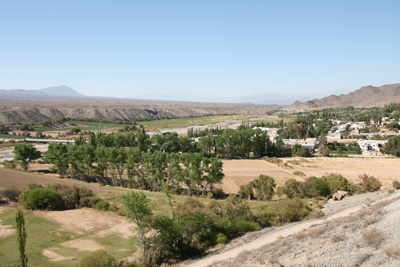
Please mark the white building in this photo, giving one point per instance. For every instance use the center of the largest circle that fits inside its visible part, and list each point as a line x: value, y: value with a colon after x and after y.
x: 371, y: 145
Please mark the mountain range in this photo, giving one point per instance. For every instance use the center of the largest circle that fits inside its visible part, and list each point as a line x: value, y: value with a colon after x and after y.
x: 51, y: 92
x: 367, y: 96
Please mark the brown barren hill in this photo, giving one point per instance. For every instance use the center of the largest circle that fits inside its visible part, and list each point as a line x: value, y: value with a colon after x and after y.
x: 367, y: 96
x: 18, y: 111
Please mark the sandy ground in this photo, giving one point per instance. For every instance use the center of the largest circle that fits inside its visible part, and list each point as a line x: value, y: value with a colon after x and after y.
x: 385, y: 169
x: 240, y: 172
x: 282, y: 232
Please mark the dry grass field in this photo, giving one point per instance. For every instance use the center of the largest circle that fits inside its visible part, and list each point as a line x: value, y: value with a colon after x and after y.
x: 385, y: 169
x: 240, y: 172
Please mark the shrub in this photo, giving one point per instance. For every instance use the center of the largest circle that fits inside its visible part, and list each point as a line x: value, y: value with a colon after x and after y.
x: 284, y: 211
x: 32, y: 186
x: 314, y: 187
x: 99, y: 258
x: 42, y: 199
x: 373, y: 237
x: 338, y: 182
x: 221, y: 238
x: 9, y: 164
x: 273, y: 160
x: 89, y: 202
x: 102, y: 205
x: 324, y: 151
x: 369, y: 183
x: 396, y: 184
x: 11, y: 193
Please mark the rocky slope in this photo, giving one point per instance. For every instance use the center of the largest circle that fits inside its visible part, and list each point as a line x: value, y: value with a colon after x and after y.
x: 366, y: 96
x: 19, y: 111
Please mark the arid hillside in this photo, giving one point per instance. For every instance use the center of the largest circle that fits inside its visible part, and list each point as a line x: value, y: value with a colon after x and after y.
x: 360, y: 230
x: 19, y: 111
x: 367, y: 96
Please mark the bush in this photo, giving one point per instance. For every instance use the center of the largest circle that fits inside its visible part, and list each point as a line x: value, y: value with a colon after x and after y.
x: 283, y: 211
x: 369, y: 183
x: 89, y: 202
x: 102, y: 205
x: 71, y: 195
x: 338, y: 182
x: 221, y: 238
x: 324, y: 151
x: 373, y: 237
x: 396, y: 184
x: 314, y: 187
x: 43, y: 199
x: 32, y: 186
x: 11, y: 193
x: 99, y: 258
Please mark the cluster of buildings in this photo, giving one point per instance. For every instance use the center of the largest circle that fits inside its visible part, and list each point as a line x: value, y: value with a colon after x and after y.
x: 353, y: 132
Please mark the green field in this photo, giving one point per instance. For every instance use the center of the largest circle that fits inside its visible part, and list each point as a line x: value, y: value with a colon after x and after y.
x: 13, y: 136
x: 84, y: 126
x: 184, y: 122
x: 158, y: 124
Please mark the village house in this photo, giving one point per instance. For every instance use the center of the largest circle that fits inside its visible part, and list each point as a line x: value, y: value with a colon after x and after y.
x: 371, y: 147
x: 308, y: 142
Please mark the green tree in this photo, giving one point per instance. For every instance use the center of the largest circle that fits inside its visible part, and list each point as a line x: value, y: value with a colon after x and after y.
x: 246, y: 191
x: 264, y: 187
x: 24, y: 154
x: 57, y: 154
x: 21, y: 236
x: 139, y: 211
x: 393, y: 146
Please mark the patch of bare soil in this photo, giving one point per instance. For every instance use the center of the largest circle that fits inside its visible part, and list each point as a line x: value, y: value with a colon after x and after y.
x: 5, y: 230
x: 384, y: 169
x: 240, y: 172
x: 85, y: 220
x: 54, y: 256
x: 82, y: 245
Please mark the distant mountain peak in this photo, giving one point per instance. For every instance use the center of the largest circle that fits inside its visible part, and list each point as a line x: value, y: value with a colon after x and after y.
x: 61, y: 92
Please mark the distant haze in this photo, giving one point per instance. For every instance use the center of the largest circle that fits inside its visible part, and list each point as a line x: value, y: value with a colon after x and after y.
x: 66, y: 92
x: 215, y: 51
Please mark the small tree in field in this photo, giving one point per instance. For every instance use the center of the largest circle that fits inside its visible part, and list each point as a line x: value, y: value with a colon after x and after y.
x: 24, y: 154
x: 21, y: 236
x: 139, y: 211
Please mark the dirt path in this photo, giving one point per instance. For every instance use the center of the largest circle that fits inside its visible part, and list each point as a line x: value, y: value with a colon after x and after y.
x: 281, y: 232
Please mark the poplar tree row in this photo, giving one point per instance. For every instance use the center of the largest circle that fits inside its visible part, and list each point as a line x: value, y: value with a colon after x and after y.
x: 131, y: 167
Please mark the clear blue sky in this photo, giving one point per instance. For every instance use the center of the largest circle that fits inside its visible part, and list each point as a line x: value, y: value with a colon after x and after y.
x: 210, y: 49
